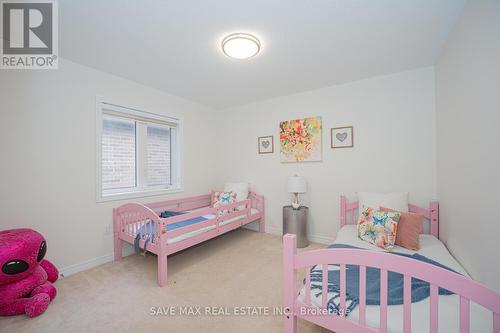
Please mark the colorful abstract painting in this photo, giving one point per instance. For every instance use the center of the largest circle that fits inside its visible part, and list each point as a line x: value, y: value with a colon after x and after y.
x: 300, y: 140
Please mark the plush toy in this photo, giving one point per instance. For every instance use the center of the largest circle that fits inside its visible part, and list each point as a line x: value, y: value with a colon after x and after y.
x: 25, y: 277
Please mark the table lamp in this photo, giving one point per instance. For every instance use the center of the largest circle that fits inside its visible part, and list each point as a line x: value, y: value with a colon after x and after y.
x: 296, y: 185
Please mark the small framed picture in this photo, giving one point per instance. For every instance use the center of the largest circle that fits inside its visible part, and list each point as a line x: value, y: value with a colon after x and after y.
x: 342, y: 137
x: 266, y: 144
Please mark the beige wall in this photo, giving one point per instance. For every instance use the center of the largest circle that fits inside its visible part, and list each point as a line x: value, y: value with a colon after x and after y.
x: 394, y: 146
x: 468, y: 119
x: 48, y: 155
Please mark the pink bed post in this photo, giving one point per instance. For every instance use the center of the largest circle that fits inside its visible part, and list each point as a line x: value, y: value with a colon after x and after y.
x: 262, y: 223
x: 116, y: 235
x: 162, y: 257
x: 434, y: 218
x: 289, y: 280
x: 342, y: 210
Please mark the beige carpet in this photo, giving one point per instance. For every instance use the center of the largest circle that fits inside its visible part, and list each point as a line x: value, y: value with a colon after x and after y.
x: 242, y: 268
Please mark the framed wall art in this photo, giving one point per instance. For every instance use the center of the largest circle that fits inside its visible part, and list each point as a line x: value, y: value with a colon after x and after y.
x: 266, y: 144
x: 342, y: 137
x: 300, y: 140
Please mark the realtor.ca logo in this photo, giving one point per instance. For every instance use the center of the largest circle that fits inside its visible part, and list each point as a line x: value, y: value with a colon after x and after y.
x: 29, y: 34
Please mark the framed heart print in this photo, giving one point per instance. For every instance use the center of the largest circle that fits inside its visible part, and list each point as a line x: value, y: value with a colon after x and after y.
x: 266, y: 144
x: 342, y: 137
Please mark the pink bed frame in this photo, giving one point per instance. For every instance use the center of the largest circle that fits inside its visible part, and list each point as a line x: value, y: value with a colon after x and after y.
x: 130, y: 218
x: 468, y: 289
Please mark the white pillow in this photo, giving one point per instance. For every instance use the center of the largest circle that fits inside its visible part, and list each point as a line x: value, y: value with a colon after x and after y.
x: 241, y: 190
x: 396, y: 200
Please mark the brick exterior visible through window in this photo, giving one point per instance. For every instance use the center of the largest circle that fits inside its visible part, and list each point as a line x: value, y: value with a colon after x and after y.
x: 118, y: 154
x: 158, y: 167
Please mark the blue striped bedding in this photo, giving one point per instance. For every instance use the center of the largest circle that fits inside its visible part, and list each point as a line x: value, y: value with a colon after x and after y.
x: 145, y: 230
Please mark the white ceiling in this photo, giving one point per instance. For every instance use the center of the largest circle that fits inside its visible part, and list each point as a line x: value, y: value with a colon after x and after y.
x: 306, y: 44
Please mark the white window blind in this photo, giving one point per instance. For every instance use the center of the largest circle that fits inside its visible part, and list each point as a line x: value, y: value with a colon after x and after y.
x: 139, y: 152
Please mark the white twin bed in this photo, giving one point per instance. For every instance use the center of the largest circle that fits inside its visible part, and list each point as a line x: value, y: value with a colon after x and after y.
x: 432, y: 248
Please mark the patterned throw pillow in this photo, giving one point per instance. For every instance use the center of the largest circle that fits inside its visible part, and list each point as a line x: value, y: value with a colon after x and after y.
x: 378, y: 228
x: 224, y: 198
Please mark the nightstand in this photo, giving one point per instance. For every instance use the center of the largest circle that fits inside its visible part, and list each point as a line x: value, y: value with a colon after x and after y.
x: 295, y: 222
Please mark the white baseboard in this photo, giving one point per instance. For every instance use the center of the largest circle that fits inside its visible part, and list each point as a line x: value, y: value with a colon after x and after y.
x: 320, y: 239
x: 313, y: 238
x: 273, y: 231
x: 88, y: 264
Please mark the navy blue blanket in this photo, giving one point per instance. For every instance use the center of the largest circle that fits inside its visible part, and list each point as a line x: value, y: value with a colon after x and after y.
x: 145, y: 230
x: 420, y: 289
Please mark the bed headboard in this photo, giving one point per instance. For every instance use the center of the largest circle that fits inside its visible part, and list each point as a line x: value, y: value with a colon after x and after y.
x: 431, y: 214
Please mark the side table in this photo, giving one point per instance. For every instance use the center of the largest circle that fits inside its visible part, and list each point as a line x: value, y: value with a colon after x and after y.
x: 295, y: 222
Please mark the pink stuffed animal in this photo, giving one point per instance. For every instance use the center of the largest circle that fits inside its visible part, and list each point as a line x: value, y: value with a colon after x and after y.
x: 25, y: 277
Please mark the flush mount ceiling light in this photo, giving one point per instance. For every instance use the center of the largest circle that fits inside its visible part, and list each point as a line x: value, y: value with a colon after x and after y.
x: 240, y: 46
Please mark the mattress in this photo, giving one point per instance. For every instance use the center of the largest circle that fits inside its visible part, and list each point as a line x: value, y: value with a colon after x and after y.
x: 200, y: 231
x: 431, y: 247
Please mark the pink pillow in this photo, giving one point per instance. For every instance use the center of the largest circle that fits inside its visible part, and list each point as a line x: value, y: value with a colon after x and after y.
x: 409, y: 228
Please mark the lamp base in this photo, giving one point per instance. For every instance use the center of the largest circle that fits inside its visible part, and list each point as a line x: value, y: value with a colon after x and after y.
x: 296, y: 203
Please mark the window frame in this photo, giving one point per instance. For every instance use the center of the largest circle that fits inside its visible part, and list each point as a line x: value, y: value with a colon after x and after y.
x: 105, y: 107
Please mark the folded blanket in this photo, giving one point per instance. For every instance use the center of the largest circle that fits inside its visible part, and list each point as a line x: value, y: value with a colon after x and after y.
x: 169, y: 213
x: 420, y: 289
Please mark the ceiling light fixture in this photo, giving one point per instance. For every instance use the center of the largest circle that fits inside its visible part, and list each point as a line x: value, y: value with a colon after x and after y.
x: 240, y: 46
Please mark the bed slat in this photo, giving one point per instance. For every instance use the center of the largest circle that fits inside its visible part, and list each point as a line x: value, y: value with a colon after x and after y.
x: 342, y: 289
x: 362, y: 295
x: 407, y: 304
x: 308, y: 286
x: 126, y: 221
x: 434, y: 309
x: 324, y: 278
x: 153, y: 233
x: 383, y: 301
x: 464, y: 315
x: 157, y: 232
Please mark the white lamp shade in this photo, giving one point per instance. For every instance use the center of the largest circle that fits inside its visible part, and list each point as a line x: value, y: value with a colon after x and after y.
x: 297, y: 184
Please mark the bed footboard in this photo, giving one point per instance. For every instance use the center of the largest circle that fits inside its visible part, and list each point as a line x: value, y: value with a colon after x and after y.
x: 135, y: 219
x: 467, y: 289
x: 131, y: 219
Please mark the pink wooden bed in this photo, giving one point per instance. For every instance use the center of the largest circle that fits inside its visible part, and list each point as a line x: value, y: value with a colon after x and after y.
x: 467, y: 289
x: 130, y: 218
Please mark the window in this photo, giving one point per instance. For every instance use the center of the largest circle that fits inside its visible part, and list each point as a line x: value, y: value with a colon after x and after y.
x: 138, y: 153
x: 159, y: 172
x: 118, y: 154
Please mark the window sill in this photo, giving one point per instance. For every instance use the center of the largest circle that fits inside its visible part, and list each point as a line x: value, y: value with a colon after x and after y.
x: 135, y: 195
